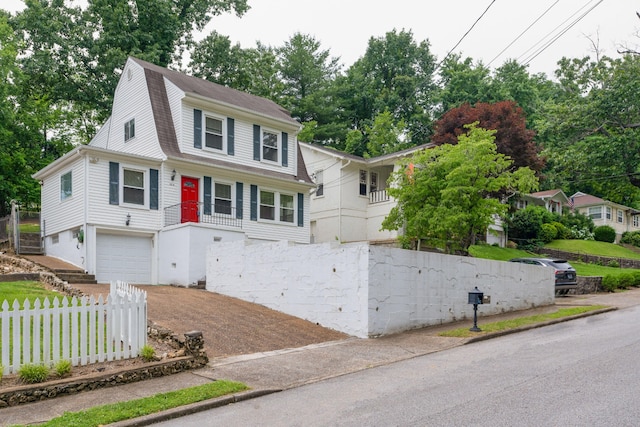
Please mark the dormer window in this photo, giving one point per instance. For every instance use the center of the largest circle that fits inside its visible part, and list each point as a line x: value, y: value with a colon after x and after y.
x: 269, y: 146
x: 129, y: 129
x: 213, y: 133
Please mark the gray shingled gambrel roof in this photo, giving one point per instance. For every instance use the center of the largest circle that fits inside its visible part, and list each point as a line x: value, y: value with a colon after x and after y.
x: 214, y: 91
x: 166, y: 131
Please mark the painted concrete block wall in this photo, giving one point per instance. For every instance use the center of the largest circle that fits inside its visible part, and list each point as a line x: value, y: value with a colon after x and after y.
x: 324, y: 283
x: 410, y: 289
x: 365, y: 290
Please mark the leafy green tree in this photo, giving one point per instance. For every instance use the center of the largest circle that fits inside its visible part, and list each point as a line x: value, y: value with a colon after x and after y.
x: 444, y: 194
x: 463, y: 82
x: 394, y: 74
x: 385, y: 137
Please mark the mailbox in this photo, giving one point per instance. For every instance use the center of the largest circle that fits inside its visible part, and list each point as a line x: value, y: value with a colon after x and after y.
x: 476, y: 296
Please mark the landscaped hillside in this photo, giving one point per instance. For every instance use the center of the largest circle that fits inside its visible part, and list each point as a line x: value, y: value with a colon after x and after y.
x: 591, y: 247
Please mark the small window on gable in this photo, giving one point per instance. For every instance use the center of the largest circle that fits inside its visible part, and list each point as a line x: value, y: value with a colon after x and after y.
x: 129, y: 129
x: 133, y: 187
x: 363, y: 182
x: 269, y: 146
x: 65, y: 186
x: 213, y: 133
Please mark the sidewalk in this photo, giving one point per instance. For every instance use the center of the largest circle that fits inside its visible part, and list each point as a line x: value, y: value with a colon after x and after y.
x: 283, y: 369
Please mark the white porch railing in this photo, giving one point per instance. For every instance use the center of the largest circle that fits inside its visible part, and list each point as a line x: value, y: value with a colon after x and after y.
x: 379, y: 196
x: 81, y: 330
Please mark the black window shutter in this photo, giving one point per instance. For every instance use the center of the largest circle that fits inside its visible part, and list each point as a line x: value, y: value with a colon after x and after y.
x: 239, y: 196
x: 153, y: 189
x: 207, y: 195
x: 300, y: 210
x: 114, y: 182
x: 231, y: 135
x: 254, y: 202
x: 197, y: 128
x: 256, y: 142
x: 285, y: 149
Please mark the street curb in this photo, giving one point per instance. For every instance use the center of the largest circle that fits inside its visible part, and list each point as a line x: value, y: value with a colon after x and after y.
x: 537, y: 325
x: 193, y: 408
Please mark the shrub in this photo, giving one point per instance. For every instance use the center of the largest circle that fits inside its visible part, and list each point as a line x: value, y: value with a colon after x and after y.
x: 563, y: 232
x: 625, y: 280
x: 636, y: 279
x: 148, y: 353
x: 548, y: 232
x: 33, y: 373
x: 63, y: 368
x: 604, y: 233
x: 613, y: 263
x: 610, y: 283
x: 1, y: 372
x: 631, y: 238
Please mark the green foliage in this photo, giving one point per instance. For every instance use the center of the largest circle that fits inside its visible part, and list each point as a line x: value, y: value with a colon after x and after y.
x: 594, y: 248
x: 548, y: 232
x: 32, y: 373
x: 631, y: 238
x: 626, y: 280
x: 525, y: 225
x: 385, y: 137
x: 562, y: 232
x: 62, y: 368
x: 613, y: 263
x: 444, y: 195
x: 604, y: 233
x: 114, y: 412
x: 147, y: 353
x: 610, y: 283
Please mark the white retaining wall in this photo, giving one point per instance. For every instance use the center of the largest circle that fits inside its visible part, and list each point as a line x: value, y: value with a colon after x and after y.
x: 367, y: 291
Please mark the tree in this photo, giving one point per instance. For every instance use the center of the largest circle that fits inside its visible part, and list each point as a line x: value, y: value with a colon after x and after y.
x: 462, y: 82
x: 385, y: 137
x: 512, y: 137
x: 395, y: 74
x: 444, y: 194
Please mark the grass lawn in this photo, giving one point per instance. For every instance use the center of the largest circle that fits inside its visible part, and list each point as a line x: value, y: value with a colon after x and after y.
x: 519, y: 322
x: 11, y: 291
x: 111, y: 413
x: 591, y: 247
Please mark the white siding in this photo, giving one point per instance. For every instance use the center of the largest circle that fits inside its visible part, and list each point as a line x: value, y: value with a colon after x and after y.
x: 69, y: 213
x: 101, y: 138
x: 131, y: 101
x: 243, y: 147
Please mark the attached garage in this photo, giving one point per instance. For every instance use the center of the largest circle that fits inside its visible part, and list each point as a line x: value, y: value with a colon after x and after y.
x: 123, y: 257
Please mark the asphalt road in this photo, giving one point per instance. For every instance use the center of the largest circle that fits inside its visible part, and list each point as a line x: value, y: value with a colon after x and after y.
x: 582, y: 372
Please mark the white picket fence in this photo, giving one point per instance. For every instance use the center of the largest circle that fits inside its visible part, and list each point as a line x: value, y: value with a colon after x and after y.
x: 81, y: 330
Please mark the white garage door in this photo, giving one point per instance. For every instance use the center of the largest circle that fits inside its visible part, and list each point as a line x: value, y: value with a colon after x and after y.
x: 125, y: 258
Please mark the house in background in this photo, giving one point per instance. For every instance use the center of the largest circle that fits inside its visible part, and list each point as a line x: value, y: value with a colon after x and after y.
x: 180, y: 164
x: 603, y: 212
x: 552, y: 200
x: 350, y: 201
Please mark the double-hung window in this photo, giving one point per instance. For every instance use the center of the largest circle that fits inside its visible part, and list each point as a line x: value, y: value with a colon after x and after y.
x: 129, y: 129
x: 636, y: 221
x: 269, y: 146
x: 133, y: 187
x: 363, y: 182
x: 213, y: 133
x: 620, y: 216
x: 319, y: 183
x: 608, y: 211
x: 222, y: 198
x: 595, y: 212
x: 276, y: 206
x: 65, y: 186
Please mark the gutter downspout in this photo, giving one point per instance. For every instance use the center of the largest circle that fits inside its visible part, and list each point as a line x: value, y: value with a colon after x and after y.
x: 340, y: 202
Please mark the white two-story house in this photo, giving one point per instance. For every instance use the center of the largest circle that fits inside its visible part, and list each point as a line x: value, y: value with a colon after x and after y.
x: 351, y: 201
x: 180, y: 164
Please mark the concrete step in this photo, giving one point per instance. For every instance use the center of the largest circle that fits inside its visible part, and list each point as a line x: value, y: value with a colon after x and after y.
x: 76, y: 277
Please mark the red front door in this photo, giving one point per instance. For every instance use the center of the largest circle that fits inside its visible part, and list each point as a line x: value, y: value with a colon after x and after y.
x: 189, y: 199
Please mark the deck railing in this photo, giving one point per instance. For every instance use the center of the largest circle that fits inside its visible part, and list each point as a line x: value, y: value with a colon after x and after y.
x: 217, y: 214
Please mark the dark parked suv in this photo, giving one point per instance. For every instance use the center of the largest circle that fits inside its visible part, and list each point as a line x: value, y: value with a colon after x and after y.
x: 566, y: 278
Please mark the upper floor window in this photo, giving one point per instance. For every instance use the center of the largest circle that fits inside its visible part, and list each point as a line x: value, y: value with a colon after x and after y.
x: 363, y: 182
x: 319, y: 183
x: 595, y: 212
x: 133, y: 187
x: 269, y: 145
x: 213, y: 133
x: 620, y: 216
x: 129, y: 129
x: 65, y: 186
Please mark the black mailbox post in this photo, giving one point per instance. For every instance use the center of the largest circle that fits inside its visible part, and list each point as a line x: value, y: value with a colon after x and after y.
x: 475, y: 297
